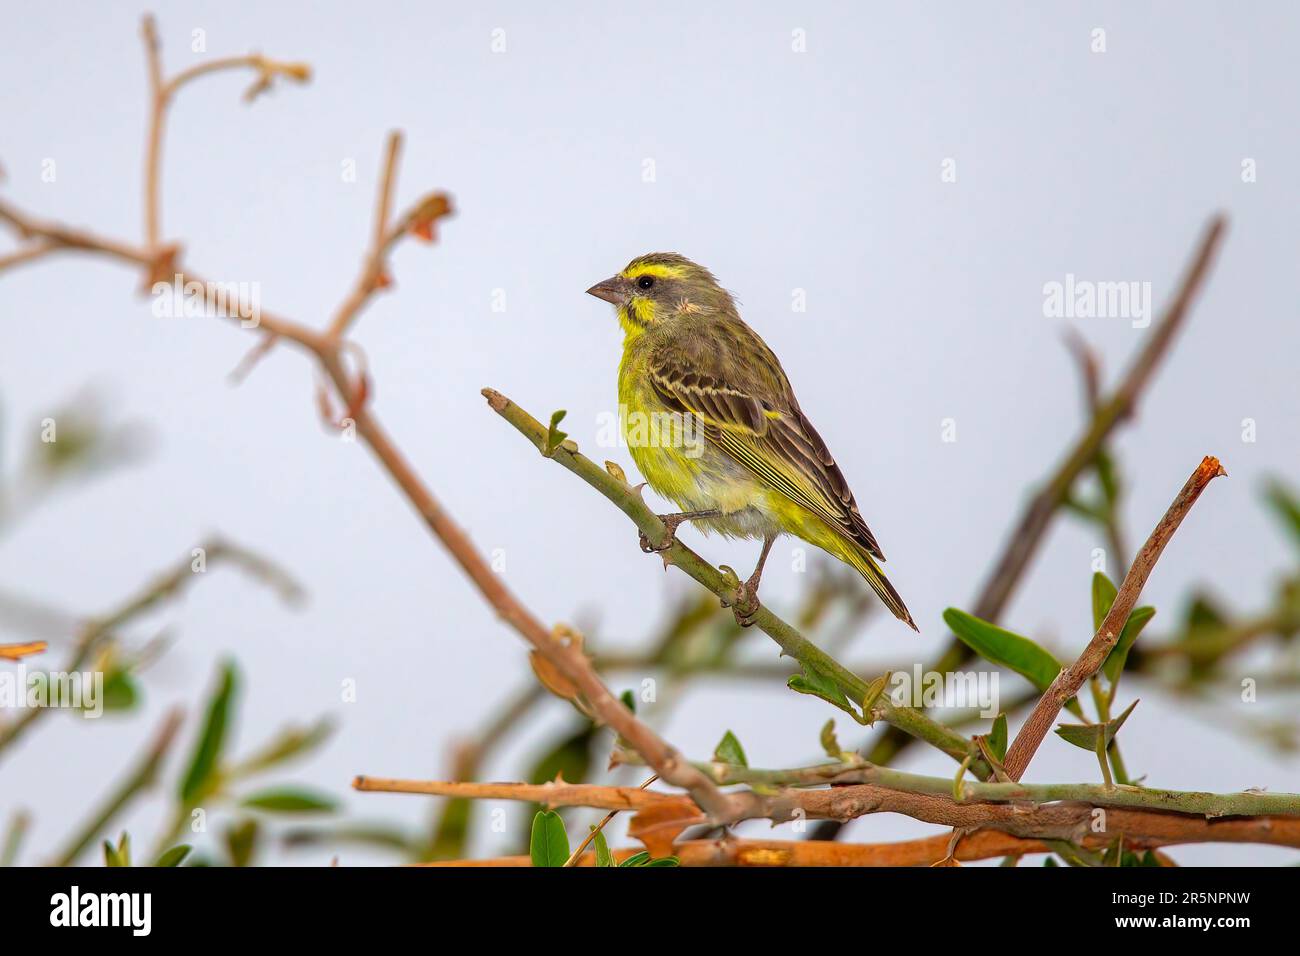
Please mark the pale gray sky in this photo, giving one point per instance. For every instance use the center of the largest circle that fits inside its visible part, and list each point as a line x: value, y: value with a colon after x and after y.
x: 780, y: 170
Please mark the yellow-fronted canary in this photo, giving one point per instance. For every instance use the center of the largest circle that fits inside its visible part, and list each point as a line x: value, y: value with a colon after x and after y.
x: 713, y: 424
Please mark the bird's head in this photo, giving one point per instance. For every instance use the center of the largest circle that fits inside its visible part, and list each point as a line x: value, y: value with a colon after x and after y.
x: 662, y: 287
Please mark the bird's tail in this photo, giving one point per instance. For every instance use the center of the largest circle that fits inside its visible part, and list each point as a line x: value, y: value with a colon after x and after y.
x: 868, y: 568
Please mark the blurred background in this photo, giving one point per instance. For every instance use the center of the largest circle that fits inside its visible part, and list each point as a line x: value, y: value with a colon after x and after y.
x: 886, y: 188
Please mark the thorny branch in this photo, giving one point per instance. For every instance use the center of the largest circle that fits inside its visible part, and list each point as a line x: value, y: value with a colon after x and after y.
x: 1112, y: 410
x: 1061, y: 817
x: 328, y: 349
x: 1072, y: 678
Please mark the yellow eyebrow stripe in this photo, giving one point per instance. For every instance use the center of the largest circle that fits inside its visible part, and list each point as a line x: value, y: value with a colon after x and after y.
x: 657, y: 269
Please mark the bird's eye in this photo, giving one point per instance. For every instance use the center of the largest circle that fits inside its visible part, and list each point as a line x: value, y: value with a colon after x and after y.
x: 645, y: 282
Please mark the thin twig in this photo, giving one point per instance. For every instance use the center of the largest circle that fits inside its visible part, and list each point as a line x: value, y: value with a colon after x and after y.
x: 1072, y: 678
x: 15, y: 833
x: 576, y: 855
x: 372, y: 273
x: 140, y: 780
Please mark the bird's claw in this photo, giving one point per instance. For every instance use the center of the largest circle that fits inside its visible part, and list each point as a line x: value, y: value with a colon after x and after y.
x: 648, y: 548
x: 746, y: 605
x: 670, y: 537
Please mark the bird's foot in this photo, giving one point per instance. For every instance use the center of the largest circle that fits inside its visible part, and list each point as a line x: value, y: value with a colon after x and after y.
x: 669, y: 537
x: 746, y: 605
x: 671, y: 523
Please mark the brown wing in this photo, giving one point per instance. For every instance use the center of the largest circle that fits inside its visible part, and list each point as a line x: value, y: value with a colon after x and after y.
x: 736, y: 387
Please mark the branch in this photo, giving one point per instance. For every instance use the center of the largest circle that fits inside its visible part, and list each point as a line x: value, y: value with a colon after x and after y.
x: 553, y: 794
x: 16, y: 652
x: 1072, y: 678
x: 141, y: 779
x: 736, y: 851
x: 858, y: 771
x: 420, y: 220
x: 15, y: 833
x: 1027, y: 535
x: 628, y: 500
x: 1071, y: 820
x: 1116, y: 408
x: 163, y: 91
x: 165, y: 586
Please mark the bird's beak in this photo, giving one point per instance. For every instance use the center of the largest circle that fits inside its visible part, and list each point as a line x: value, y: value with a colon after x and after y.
x: 611, y: 290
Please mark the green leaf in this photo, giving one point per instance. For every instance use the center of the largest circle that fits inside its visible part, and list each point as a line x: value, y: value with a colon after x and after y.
x: 1088, y: 510
x: 729, y: 751
x: 817, y: 684
x: 569, y: 757
x: 1103, y: 596
x: 204, y: 764
x: 1285, y: 506
x: 121, y: 692
x: 664, y: 861
x: 119, y: 855
x: 289, y: 743
x: 377, y: 835
x: 290, y: 800
x: 629, y: 700
x: 241, y: 841
x: 603, y: 856
x: 1203, y: 615
x: 1007, y: 649
x: 637, y: 859
x: 829, y: 741
x: 1086, y: 736
x: 997, y: 738
x: 1107, y: 476
x: 555, y: 437
x: 1050, y: 861
x: 1114, y: 855
x: 173, y: 857
x: 549, y: 845
x: 450, y: 833
x: 1118, y: 656
x: 1000, y: 646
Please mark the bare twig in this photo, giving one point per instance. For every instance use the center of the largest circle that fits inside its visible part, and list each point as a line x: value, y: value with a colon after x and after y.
x: 15, y: 652
x: 372, y: 274
x: 28, y: 253
x: 161, y: 93
x: 576, y: 855
x: 1071, y: 678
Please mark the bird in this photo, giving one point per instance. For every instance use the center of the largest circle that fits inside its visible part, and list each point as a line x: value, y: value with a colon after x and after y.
x: 712, y: 423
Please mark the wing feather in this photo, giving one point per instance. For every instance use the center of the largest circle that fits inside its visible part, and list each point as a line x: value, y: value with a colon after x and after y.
x: 740, y: 393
